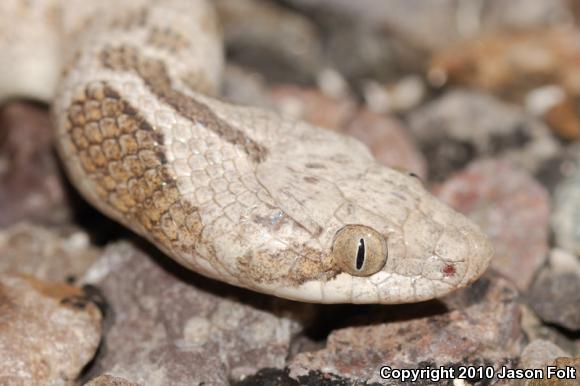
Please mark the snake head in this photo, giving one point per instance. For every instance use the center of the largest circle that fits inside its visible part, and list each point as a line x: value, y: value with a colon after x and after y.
x: 371, y: 234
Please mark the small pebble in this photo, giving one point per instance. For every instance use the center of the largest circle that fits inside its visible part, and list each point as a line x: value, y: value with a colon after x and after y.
x: 555, y: 294
x: 312, y: 106
x: 400, y: 96
x: 565, y: 219
x: 388, y: 140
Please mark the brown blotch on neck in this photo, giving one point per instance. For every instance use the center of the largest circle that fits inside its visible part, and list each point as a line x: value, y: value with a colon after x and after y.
x: 125, y: 170
x: 156, y: 78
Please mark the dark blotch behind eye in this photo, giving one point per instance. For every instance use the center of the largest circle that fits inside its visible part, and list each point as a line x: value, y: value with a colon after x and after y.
x: 360, y: 254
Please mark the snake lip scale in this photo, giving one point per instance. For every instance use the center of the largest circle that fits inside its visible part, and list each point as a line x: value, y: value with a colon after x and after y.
x: 235, y: 193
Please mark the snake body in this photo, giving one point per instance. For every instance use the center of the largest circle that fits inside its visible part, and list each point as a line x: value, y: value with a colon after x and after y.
x: 238, y: 194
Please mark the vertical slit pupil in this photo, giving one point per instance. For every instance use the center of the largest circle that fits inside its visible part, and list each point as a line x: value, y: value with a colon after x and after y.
x: 360, y: 254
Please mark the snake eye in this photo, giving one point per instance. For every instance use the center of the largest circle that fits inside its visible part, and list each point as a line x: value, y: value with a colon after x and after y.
x: 359, y: 250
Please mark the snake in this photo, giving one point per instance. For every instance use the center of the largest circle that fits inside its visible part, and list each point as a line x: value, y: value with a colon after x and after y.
x: 236, y: 193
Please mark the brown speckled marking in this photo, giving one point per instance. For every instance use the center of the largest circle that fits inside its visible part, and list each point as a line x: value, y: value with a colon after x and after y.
x: 121, y: 153
x: 156, y: 77
x: 167, y: 39
x: 198, y: 83
x: 130, y: 20
x: 262, y: 267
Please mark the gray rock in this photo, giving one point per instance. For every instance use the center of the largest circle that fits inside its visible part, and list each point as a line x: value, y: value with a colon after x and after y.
x: 171, y: 326
x: 463, y: 125
x: 555, y: 294
x: 52, y: 254
x: 48, y: 332
x: 279, y: 43
x: 540, y: 353
x: 535, y: 329
x: 566, y: 214
x: 480, y: 325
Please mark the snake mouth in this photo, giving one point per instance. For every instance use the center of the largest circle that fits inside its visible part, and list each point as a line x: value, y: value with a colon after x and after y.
x: 482, y: 253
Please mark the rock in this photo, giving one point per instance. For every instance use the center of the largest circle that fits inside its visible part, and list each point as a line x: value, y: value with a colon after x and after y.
x: 511, y: 63
x: 244, y: 87
x: 571, y: 367
x: 279, y: 43
x: 535, y: 329
x: 30, y: 183
x: 539, y: 353
x: 565, y: 219
x: 51, y: 254
x: 171, y: 326
x: 555, y: 294
x: 538, y: 66
x: 464, y: 125
x: 269, y: 377
x: 48, y: 332
x: 435, y: 25
x: 397, y: 97
x: 563, y: 116
x: 109, y: 380
x: 480, y: 326
x: 511, y: 208
x: 313, y: 106
x: 388, y: 140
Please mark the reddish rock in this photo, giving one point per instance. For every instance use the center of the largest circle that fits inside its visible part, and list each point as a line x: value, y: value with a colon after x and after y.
x: 388, y: 140
x: 51, y: 254
x: 511, y: 207
x: 30, y: 183
x: 313, y: 106
x: 482, y: 325
x: 171, y: 326
x: 48, y: 332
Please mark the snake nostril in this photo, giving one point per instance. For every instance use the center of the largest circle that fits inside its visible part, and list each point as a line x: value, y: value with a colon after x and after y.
x: 449, y: 270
